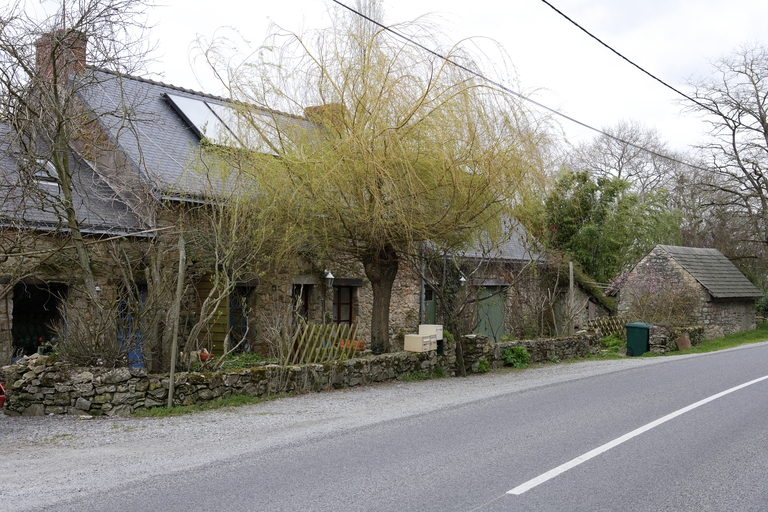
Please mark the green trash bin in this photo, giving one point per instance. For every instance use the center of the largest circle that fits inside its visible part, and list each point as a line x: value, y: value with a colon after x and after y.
x: 637, y: 338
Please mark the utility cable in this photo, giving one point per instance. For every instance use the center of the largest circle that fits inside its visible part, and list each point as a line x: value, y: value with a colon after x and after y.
x: 662, y: 82
x: 510, y: 91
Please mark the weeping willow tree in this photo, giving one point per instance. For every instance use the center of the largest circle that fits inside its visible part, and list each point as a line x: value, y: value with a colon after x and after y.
x: 389, y: 146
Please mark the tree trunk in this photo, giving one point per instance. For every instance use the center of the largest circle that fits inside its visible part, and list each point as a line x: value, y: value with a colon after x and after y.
x: 381, y: 269
x: 62, y: 164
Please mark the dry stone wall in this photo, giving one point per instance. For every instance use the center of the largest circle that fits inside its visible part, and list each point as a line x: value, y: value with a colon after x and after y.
x: 38, y: 385
x: 663, y: 339
x: 477, y: 347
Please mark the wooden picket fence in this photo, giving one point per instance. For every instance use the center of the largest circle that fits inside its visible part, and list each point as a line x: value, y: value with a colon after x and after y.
x: 316, y: 343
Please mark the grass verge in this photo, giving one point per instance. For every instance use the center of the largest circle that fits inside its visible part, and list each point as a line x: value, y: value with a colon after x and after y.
x: 437, y: 373
x: 730, y: 341
x: 179, y: 410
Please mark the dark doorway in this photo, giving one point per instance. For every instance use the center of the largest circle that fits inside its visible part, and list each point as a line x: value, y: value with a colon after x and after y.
x: 129, y: 325
x: 430, y: 306
x: 36, y: 307
x: 239, y: 311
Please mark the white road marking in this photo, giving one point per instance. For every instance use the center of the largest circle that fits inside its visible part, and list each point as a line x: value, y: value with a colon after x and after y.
x: 530, y: 484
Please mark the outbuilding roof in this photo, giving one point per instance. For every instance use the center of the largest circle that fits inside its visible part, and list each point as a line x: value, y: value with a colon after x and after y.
x: 713, y: 271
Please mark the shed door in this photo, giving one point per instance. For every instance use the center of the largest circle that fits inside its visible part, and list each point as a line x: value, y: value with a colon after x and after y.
x: 490, y: 312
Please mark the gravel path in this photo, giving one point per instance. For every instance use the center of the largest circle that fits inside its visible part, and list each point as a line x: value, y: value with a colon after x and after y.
x: 45, y: 459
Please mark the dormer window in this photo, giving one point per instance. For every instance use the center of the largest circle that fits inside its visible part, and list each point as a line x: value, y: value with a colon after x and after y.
x: 46, y: 176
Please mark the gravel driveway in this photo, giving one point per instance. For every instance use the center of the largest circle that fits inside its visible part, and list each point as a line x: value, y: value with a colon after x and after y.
x: 45, y: 459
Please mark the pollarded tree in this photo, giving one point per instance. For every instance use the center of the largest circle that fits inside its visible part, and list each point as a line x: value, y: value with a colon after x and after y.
x: 401, y: 146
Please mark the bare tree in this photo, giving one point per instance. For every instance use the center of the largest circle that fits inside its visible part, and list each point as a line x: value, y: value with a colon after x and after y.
x: 630, y: 152
x: 43, y: 74
x: 52, y: 145
x: 734, y: 102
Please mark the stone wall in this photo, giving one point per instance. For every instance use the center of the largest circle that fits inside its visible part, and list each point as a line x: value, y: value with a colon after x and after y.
x: 37, y: 385
x: 721, y: 317
x: 582, y: 344
x: 663, y: 339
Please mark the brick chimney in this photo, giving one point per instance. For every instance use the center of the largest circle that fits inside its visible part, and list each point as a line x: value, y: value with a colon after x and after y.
x: 66, y: 48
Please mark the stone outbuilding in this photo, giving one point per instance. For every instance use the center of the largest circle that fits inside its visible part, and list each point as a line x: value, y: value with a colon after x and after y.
x: 724, y: 301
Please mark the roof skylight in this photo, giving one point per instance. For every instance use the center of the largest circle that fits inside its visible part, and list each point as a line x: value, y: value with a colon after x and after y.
x: 203, y: 119
x: 223, y: 125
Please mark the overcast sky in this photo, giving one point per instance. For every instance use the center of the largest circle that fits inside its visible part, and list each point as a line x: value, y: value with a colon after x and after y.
x: 673, y: 39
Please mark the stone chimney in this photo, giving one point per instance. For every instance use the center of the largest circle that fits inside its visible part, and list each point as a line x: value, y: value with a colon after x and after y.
x: 64, y: 47
x: 329, y: 115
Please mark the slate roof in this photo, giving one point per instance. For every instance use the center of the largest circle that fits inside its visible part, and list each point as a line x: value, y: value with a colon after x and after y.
x: 516, y: 246
x: 713, y: 271
x: 137, y: 115
x: 25, y: 202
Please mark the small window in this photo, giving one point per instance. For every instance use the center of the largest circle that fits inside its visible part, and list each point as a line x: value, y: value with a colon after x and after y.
x: 300, y: 302
x: 342, y: 304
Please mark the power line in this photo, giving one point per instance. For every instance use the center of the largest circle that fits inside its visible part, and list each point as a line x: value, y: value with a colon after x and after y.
x: 510, y: 91
x: 662, y: 82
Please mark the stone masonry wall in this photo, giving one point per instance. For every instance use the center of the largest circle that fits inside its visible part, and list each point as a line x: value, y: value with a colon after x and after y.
x: 37, y: 385
x: 721, y: 318
x: 661, y: 263
x: 663, y: 339
x: 477, y: 347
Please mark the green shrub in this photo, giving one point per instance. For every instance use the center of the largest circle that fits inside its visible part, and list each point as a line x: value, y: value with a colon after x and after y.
x: 438, y: 372
x: 762, y: 305
x: 415, y: 376
x: 483, y: 366
x: 516, y: 356
x: 612, y: 343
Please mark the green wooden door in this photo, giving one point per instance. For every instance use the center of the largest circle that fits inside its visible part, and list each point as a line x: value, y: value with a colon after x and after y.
x: 490, y: 312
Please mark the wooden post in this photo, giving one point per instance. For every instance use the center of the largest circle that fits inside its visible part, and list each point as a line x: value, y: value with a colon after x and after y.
x: 571, y: 300
x: 175, y: 317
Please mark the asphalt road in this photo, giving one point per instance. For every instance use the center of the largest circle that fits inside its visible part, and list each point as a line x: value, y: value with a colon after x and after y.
x: 466, y: 455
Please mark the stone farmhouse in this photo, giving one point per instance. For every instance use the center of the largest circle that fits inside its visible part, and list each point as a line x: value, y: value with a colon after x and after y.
x: 724, y: 299
x: 136, y: 182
